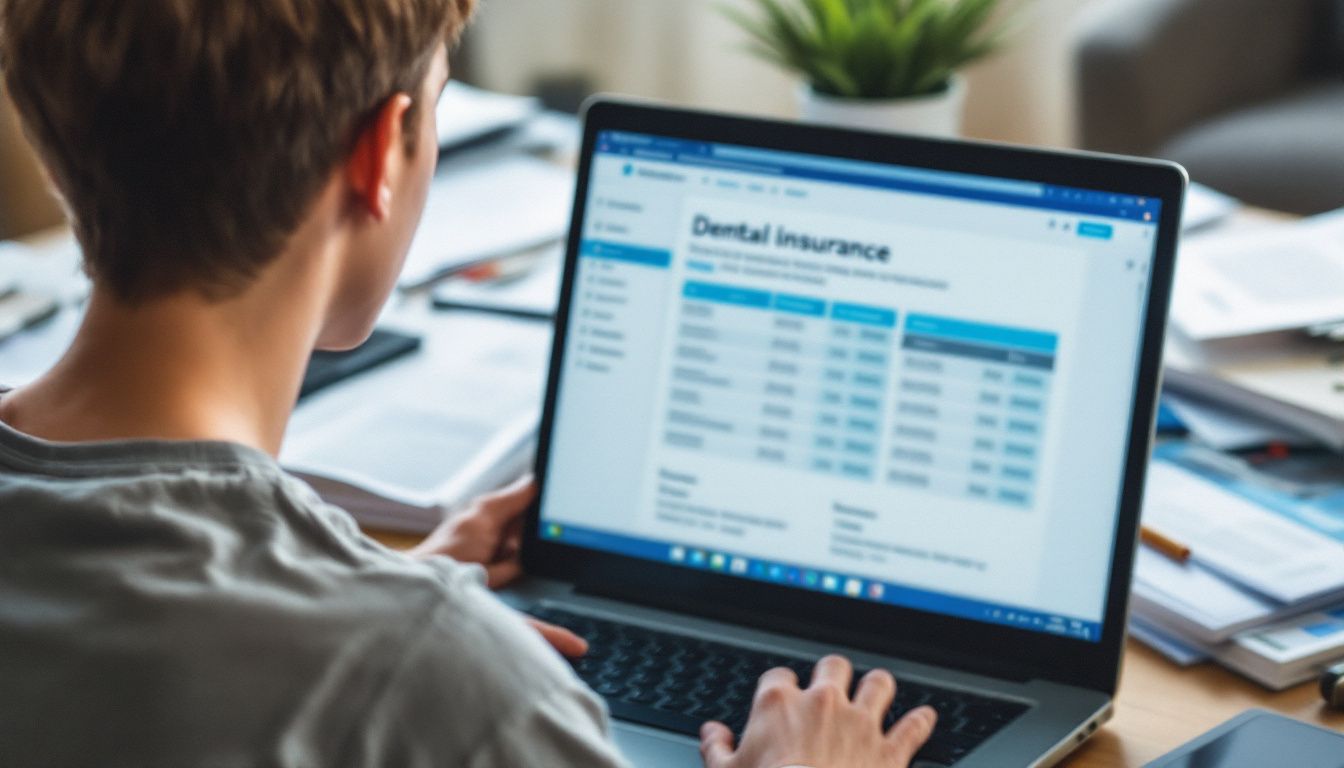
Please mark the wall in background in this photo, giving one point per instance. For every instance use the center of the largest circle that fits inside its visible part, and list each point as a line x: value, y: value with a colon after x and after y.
x: 25, y: 204
x: 684, y: 51
x: 687, y: 52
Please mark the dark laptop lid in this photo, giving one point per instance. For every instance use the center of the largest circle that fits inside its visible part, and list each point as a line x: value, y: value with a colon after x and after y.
x: 890, y: 392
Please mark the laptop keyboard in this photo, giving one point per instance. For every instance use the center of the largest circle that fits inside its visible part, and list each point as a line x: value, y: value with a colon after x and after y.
x: 676, y: 683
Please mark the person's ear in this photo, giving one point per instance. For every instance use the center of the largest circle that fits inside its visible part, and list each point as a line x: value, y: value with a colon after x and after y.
x: 377, y: 156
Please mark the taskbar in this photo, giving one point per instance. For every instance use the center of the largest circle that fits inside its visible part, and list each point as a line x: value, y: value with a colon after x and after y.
x: 820, y: 580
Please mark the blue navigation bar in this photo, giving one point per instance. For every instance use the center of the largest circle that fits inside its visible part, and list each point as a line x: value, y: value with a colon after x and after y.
x: 649, y: 257
x: 964, y: 330
x: 822, y: 580
x: 774, y: 163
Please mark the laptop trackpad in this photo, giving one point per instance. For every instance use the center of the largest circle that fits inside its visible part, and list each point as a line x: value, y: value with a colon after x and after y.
x: 646, y: 747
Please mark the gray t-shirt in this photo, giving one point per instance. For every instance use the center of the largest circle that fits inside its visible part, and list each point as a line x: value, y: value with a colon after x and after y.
x: 175, y: 604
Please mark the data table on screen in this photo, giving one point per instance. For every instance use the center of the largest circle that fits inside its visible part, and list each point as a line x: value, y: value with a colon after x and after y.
x: 780, y: 378
x: 970, y: 409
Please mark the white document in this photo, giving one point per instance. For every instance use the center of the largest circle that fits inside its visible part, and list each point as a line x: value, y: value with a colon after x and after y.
x: 1269, y: 279
x: 1205, y: 206
x: 1240, y: 540
x: 1189, y: 600
x: 465, y: 113
x: 429, y: 429
x: 419, y: 457
x: 485, y: 210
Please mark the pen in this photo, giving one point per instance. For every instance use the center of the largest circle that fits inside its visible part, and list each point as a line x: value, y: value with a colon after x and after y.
x: 1164, y: 544
x: 521, y: 313
x: 476, y: 264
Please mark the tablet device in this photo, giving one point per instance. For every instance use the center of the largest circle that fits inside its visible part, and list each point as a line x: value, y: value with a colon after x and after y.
x: 1257, y: 739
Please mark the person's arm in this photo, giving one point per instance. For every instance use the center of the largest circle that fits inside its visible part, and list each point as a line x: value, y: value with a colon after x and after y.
x: 488, y: 531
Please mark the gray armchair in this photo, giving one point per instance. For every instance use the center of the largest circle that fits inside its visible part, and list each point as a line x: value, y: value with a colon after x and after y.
x: 1246, y: 94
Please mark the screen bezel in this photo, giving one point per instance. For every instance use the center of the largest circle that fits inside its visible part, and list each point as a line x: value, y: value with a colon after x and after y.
x: 924, y: 636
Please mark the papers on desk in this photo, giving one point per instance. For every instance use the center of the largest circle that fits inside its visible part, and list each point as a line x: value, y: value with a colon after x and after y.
x: 30, y: 353
x: 466, y: 114
x: 535, y: 294
x: 1284, y: 377
x: 35, y: 282
x: 1288, y: 652
x: 399, y: 445
x: 37, y: 316
x: 51, y: 268
x: 1241, y: 301
x: 1278, y: 277
x: 483, y: 210
x: 1261, y: 556
x: 1205, y: 206
x: 1190, y: 601
x: 1240, y: 540
x: 1277, y: 656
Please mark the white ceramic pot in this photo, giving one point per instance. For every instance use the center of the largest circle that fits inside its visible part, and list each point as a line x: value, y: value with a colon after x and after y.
x: 937, y: 114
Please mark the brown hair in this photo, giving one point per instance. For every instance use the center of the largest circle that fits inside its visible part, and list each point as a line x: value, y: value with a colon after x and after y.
x: 189, y: 137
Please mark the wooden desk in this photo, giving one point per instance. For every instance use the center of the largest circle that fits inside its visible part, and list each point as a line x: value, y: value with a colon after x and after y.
x: 1160, y: 705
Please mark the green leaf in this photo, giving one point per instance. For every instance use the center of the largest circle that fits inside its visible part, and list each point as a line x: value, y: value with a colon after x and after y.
x: 873, y: 48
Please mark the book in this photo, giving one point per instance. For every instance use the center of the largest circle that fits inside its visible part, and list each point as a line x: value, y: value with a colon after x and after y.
x: 425, y: 495
x: 1278, y: 655
x: 1290, y: 652
x: 400, y: 445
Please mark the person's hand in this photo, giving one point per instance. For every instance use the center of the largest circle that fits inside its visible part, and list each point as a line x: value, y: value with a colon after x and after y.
x: 820, y: 727
x: 489, y: 532
x: 566, y: 643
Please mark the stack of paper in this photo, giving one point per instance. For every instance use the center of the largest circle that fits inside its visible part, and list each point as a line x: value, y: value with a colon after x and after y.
x: 1260, y: 557
x: 1274, y: 278
x: 1241, y: 304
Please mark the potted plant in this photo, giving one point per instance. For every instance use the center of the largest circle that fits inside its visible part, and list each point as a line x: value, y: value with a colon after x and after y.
x: 879, y: 64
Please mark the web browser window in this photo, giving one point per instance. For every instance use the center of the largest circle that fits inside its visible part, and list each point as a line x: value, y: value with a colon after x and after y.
x: 886, y: 383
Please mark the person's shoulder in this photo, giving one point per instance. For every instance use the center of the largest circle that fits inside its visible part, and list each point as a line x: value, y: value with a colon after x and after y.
x: 453, y: 649
x: 476, y: 680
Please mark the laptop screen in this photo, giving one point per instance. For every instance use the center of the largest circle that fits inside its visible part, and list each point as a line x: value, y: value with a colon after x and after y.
x: 887, y: 383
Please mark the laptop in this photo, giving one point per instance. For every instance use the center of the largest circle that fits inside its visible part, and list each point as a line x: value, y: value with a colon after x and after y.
x: 817, y: 391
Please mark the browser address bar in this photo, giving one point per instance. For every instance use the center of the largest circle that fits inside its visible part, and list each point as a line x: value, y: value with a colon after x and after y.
x: 860, y: 168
